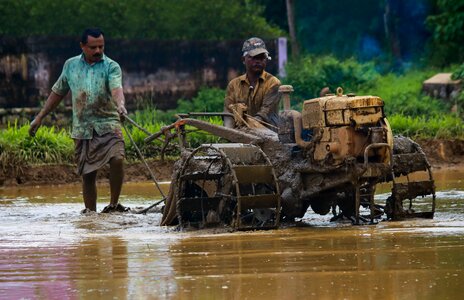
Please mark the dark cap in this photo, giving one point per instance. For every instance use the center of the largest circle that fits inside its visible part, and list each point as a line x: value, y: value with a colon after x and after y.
x: 254, y: 46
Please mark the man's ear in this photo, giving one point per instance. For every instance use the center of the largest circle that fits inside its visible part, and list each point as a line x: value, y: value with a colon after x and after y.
x: 243, y: 59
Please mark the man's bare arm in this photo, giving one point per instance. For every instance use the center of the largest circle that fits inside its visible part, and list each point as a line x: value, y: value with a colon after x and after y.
x: 52, y: 102
x: 118, y: 98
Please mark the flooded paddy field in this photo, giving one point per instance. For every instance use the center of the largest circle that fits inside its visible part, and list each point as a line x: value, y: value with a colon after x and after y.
x: 48, y: 250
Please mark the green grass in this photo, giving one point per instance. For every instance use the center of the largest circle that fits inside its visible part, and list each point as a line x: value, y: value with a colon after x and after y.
x: 440, y: 127
x: 403, y: 94
x: 410, y: 112
x: 55, y: 146
x: 49, y: 146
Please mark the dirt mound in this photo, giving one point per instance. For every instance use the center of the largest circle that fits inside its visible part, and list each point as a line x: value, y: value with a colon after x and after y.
x: 61, y: 174
x: 443, y: 152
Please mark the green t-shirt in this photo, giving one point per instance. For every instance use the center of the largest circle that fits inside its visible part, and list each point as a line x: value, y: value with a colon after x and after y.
x: 90, y: 85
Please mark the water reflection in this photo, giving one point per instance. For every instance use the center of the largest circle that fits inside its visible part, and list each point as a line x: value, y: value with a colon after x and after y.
x: 101, y: 269
x: 321, y: 262
x: 93, y: 269
x: 49, y: 251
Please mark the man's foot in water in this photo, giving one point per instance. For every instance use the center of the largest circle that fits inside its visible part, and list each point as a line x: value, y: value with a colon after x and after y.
x: 115, y: 208
x: 86, y: 211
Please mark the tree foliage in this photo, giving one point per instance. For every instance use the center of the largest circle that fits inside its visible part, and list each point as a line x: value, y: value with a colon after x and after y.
x: 458, y: 73
x: 448, y: 32
x: 448, y: 23
x: 275, y: 12
x: 154, y: 19
x: 337, y: 27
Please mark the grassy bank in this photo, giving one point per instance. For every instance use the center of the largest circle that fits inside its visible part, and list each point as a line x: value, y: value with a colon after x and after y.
x: 54, y: 146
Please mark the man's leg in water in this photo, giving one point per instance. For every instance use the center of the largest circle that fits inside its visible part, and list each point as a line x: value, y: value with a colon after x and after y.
x: 116, y: 178
x: 89, y: 190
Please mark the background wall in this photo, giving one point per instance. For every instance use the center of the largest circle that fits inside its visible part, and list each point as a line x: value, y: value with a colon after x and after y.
x: 160, y: 72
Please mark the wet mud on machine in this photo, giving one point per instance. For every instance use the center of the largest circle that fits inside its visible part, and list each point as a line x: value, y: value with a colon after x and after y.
x: 329, y: 157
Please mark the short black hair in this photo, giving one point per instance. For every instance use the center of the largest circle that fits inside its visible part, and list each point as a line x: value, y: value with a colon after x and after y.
x: 94, y: 32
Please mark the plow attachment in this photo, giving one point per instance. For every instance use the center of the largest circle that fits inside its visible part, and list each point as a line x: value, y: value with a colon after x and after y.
x: 409, y: 199
x: 230, y: 184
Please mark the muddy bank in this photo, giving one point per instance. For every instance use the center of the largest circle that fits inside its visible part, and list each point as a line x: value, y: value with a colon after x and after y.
x: 441, y: 154
x: 62, y: 174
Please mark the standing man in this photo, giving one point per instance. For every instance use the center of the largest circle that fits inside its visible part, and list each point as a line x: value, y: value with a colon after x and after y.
x: 256, y: 89
x: 95, y: 82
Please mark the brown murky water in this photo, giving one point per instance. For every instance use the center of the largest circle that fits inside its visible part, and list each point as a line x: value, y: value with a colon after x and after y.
x: 49, y: 251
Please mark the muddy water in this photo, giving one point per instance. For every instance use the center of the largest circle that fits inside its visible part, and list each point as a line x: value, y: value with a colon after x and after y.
x: 49, y: 251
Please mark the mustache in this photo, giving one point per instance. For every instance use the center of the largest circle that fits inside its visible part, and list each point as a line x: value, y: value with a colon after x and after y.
x: 98, y: 55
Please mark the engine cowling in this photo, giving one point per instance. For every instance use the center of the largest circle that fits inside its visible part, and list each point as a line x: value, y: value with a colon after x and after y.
x: 348, y: 124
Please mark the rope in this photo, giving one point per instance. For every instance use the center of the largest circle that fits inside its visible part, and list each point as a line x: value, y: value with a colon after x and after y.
x: 146, y: 165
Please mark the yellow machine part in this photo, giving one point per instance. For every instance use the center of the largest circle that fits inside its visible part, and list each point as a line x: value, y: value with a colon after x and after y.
x: 341, y: 142
x: 341, y: 110
x: 339, y: 116
x: 389, y: 139
x: 344, y: 141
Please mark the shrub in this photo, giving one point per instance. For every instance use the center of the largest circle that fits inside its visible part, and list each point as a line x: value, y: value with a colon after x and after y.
x: 310, y: 74
x: 207, y: 100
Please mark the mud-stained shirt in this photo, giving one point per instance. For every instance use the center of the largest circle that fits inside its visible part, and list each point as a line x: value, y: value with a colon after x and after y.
x: 90, y: 86
x: 262, y: 100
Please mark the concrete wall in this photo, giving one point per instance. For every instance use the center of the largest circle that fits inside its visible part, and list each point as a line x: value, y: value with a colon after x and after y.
x: 442, y: 86
x: 158, y: 71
